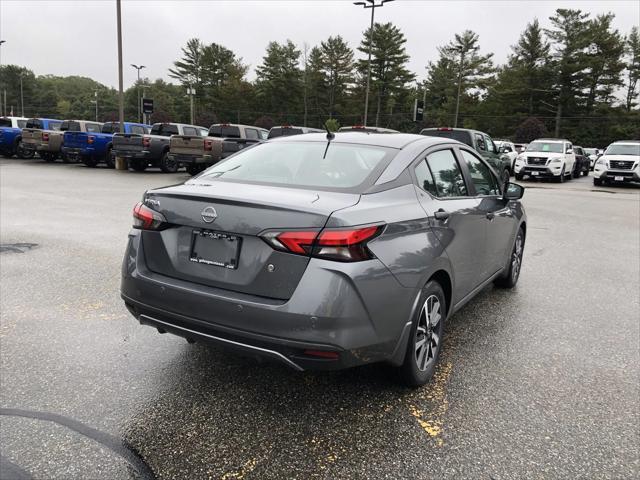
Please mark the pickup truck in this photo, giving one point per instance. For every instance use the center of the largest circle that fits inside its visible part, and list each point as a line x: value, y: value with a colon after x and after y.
x: 152, y: 149
x: 40, y: 135
x: 480, y: 142
x: 11, y: 137
x: 95, y: 147
x: 222, y: 140
x: 74, y: 131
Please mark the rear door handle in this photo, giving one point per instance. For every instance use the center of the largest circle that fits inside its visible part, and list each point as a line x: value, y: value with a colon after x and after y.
x: 441, y: 215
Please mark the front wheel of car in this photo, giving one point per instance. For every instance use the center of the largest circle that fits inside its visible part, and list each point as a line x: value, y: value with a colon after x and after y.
x: 586, y: 172
x: 519, y: 176
x: 138, y: 165
x: 109, y: 159
x: 22, y: 153
x: 90, y: 161
x: 512, y: 273
x: 576, y: 171
x: 560, y: 178
x: 597, y: 182
x: 167, y: 165
x: 425, y: 341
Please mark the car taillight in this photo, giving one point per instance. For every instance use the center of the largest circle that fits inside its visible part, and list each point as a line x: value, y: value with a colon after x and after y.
x: 444, y: 129
x: 45, y: 137
x: 146, y: 142
x: 341, y: 244
x: 91, y: 139
x: 146, y: 219
x: 208, y: 145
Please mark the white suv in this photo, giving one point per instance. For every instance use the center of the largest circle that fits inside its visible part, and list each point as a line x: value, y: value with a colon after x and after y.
x: 508, y: 149
x: 546, y: 158
x: 619, y: 163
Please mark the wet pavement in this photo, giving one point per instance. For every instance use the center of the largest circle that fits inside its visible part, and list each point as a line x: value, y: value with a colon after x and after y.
x: 538, y: 382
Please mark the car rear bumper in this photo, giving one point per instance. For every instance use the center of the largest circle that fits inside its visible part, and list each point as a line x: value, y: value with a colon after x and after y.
x: 191, y: 159
x: 335, y: 308
x: 132, y: 154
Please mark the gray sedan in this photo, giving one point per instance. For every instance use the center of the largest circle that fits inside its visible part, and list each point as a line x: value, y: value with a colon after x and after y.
x: 326, y: 251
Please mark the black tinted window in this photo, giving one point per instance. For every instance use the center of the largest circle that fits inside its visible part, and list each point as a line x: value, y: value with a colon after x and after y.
x: 425, y: 179
x: 5, y: 122
x: 70, y: 126
x: 34, y: 123
x: 461, y: 136
x: 111, y: 127
x: 481, y: 176
x: 227, y: 131
x: 164, y: 129
x: 447, y: 175
x: 283, y: 132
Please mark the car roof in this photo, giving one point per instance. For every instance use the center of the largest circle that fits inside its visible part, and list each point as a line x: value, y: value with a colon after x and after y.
x: 395, y: 140
x: 627, y: 142
x: 558, y: 140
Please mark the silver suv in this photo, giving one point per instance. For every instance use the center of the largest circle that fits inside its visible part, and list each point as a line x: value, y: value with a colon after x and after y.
x: 620, y: 163
x: 546, y: 158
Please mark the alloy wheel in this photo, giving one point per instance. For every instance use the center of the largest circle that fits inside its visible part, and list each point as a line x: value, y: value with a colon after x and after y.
x: 516, y: 258
x: 427, y: 340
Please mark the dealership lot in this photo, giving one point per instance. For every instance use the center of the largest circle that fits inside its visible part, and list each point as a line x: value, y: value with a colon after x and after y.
x: 541, y: 382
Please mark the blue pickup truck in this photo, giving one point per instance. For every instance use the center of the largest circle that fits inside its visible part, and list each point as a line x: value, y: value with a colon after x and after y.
x: 94, y: 147
x: 11, y: 137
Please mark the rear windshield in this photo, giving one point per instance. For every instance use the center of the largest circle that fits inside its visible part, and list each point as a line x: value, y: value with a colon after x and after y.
x: 461, y: 136
x: 551, y: 147
x: 34, y: 123
x: 223, y: 131
x: 111, y: 127
x: 164, y: 129
x: 284, y: 132
x: 315, y: 165
x: 55, y: 125
x: 623, y: 149
x: 70, y: 126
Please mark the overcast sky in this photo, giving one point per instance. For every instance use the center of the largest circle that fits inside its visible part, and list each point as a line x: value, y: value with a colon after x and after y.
x: 79, y: 38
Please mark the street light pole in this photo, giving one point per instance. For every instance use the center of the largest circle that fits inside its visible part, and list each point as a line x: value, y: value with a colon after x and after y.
x: 21, y: 98
x: 138, y: 68
x: 4, y: 105
x: 372, y: 5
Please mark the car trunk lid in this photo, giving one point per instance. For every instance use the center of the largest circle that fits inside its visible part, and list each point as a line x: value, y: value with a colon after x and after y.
x: 75, y: 139
x: 31, y: 136
x: 227, y: 252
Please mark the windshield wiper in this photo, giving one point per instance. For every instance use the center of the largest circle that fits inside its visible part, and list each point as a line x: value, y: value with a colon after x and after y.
x: 219, y: 174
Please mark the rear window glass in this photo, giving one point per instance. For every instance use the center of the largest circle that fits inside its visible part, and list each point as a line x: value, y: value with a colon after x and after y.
x: 461, y: 136
x: 284, y: 132
x: 70, y: 126
x: 164, y: 129
x: 222, y: 131
x: 111, y: 127
x: 189, y: 131
x: 55, y: 125
x: 93, y: 127
x: 140, y: 130
x: 22, y: 123
x: 552, y: 147
x: 305, y: 164
x: 34, y: 123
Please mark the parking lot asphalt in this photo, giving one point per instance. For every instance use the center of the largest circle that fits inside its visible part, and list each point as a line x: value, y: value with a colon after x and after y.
x: 539, y: 382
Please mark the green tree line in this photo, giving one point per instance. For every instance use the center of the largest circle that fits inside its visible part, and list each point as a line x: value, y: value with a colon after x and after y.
x: 578, y: 79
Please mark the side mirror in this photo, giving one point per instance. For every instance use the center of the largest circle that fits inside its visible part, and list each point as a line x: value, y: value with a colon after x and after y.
x: 570, y: 150
x: 513, y: 191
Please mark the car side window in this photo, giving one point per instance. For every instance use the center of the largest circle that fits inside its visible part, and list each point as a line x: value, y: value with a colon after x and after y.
x: 568, y: 147
x: 481, y: 176
x: 203, y: 132
x: 189, y: 131
x: 251, y: 134
x: 491, y: 147
x: 93, y: 127
x: 425, y: 179
x: 264, y: 134
x: 480, y: 142
x: 137, y: 129
x: 446, y: 174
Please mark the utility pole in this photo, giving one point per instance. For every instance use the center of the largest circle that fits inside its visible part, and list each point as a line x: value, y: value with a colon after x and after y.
x: 372, y: 5
x: 21, y: 98
x: 95, y: 95
x: 121, y: 163
x: 191, y: 92
x: 138, y: 68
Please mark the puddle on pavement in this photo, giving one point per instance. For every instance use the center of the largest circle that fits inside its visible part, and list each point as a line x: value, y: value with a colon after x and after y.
x: 17, y: 247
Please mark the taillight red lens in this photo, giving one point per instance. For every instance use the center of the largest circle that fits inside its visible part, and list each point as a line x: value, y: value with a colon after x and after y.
x: 345, y: 245
x: 45, y: 137
x: 91, y: 139
x: 147, y: 219
x: 146, y: 142
x: 208, y: 145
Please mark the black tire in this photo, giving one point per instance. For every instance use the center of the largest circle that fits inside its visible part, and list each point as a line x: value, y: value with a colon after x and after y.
x: 7, y: 154
x: 576, y: 171
x: 519, y: 176
x: 421, y: 359
x: 597, y: 182
x: 195, y: 168
x: 109, y: 160
x: 22, y: 153
x: 48, y: 157
x: 89, y: 161
x: 137, y: 165
x: 586, y: 172
x: 512, y: 273
x: 167, y: 165
x: 560, y: 178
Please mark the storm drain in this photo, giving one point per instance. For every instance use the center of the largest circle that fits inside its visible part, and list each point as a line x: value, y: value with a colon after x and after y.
x: 17, y: 247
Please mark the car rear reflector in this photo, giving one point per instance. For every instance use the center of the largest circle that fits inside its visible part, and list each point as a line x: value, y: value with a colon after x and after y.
x: 322, y: 354
x: 208, y: 145
x: 45, y: 136
x: 146, y: 142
